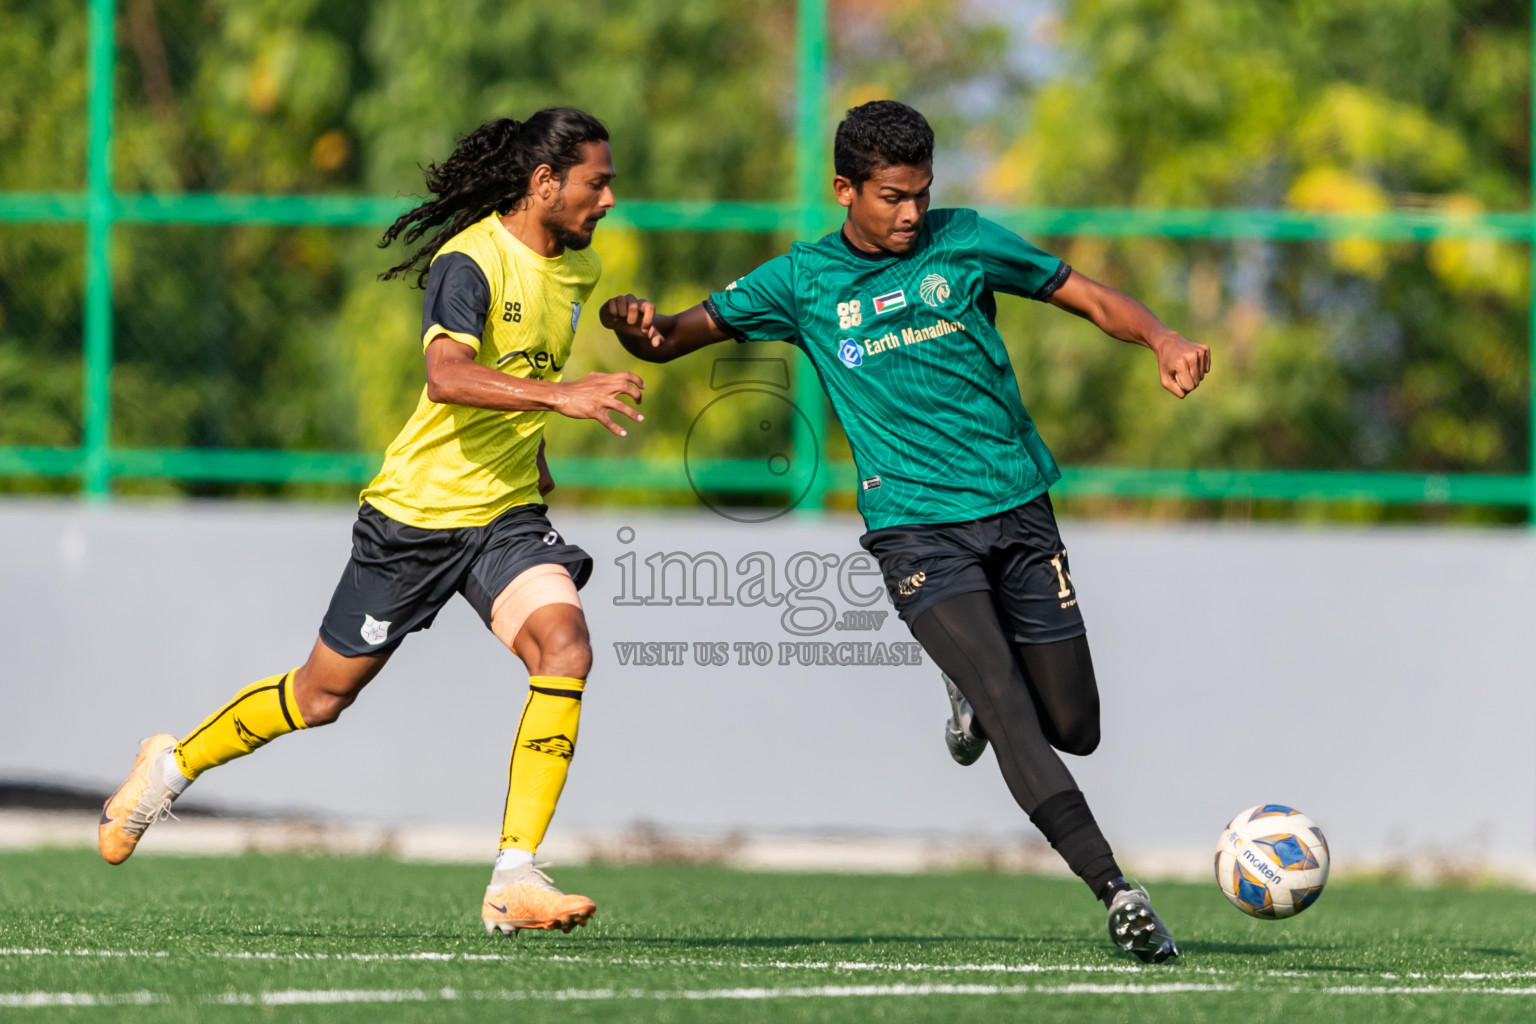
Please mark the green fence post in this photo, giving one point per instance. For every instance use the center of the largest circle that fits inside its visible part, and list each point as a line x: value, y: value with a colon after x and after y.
x: 1530, y: 509
x: 97, y: 428
x: 810, y: 185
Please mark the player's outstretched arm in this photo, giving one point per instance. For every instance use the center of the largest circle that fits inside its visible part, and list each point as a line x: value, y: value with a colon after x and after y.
x: 455, y: 378
x: 1181, y: 364
x: 657, y: 337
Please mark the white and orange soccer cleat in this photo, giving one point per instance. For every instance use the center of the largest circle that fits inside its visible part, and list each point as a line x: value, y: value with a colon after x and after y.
x: 140, y: 802
x: 530, y: 900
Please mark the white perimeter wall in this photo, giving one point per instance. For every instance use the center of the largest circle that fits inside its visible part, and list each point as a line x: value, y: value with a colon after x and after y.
x: 1379, y: 680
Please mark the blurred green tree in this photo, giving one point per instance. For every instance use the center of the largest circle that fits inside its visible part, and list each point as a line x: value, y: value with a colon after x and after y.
x: 1344, y: 354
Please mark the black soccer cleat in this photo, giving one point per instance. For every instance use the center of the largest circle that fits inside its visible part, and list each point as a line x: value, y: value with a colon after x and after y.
x: 1135, y: 927
x: 961, y: 734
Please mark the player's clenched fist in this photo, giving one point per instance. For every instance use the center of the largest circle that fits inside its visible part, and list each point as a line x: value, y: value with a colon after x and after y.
x: 596, y: 394
x: 631, y: 319
x: 1181, y: 364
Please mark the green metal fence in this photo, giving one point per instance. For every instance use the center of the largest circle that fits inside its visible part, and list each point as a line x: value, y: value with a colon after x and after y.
x: 96, y: 462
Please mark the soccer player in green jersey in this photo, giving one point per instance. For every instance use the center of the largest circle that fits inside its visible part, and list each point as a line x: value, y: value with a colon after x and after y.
x: 896, y: 311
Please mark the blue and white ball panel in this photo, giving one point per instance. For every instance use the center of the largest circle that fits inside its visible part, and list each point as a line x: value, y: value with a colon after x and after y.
x: 1257, y: 896
x: 1253, y: 893
x: 1319, y: 840
x: 1304, y: 898
x: 1268, y: 811
x: 1272, y: 861
x: 1288, y: 852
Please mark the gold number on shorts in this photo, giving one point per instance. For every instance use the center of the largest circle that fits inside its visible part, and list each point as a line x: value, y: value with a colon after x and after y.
x: 1063, y: 579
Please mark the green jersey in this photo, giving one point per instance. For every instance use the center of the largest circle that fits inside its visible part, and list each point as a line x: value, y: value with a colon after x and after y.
x: 908, y: 352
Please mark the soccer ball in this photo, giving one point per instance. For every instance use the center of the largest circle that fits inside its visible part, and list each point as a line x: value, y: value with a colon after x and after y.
x: 1272, y: 861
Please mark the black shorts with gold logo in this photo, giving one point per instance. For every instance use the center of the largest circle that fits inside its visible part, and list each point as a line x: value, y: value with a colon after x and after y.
x: 400, y: 576
x: 1015, y: 555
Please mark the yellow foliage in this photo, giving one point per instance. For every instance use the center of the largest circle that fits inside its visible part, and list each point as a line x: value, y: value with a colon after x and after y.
x: 1007, y: 179
x: 865, y: 92
x: 378, y: 330
x: 331, y: 151
x: 1359, y: 128
x: 262, y: 89
x: 1330, y: 190
x: 1471, y: 266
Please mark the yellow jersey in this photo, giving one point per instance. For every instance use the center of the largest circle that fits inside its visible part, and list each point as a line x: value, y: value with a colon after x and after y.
x: 453, y: 465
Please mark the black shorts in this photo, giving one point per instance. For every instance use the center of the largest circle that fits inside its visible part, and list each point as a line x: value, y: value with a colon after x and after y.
x: 1017, y: 555
x: 400, y: 576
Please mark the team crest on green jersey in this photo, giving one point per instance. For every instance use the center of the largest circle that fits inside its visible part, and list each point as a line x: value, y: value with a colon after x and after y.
x: 934, y: 289
x: 889, y: 301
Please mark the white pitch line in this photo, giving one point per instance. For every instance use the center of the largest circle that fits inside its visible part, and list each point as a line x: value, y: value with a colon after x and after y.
x: 300, y: 997
x: 854, y: 965
x: 82, y: 952
x: 332, y: 996
x: 1403, y: 990
x: 531, y: 959
x: 40, y: 1000
x: 326, y: 997
x: 820, y: 965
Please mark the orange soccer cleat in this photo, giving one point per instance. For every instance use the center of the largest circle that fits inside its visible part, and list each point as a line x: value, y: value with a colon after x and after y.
x: 530, y: 900
x: 140, y: 802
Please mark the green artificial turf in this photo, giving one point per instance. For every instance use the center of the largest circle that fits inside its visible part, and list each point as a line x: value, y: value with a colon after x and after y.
x: 335, y: 939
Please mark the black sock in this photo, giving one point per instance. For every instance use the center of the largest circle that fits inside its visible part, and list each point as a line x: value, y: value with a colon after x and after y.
x: 1068, y: 826
x: 1115, y: 885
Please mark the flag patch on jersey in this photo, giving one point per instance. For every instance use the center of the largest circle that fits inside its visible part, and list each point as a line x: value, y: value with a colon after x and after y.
x: 889, y: 301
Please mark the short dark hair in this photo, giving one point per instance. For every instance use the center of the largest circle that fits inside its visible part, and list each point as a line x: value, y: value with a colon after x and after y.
x: 881, y: 133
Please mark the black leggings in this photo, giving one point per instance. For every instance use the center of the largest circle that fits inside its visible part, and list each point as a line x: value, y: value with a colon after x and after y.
x: 1029, y: 698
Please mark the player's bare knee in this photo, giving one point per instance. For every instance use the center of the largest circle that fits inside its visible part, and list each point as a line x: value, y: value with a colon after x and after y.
x: 323, y: 708
x: 319, y: 704
x: 569, y: 656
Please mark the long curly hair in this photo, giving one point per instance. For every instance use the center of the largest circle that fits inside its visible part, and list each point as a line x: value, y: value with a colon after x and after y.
x: 489, y: 172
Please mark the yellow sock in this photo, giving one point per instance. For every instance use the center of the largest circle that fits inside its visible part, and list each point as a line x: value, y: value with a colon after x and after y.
x: 546, y: 739
x: 259, y: 714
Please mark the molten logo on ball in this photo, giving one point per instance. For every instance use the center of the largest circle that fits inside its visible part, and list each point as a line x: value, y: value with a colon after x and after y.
x: 1272, y: 861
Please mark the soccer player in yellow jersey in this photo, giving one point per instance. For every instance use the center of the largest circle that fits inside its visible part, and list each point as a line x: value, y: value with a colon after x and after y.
x: 456, y: 507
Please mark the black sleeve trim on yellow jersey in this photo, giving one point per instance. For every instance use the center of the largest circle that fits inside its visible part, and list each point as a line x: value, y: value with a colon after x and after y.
x: 458, y: 296
x: 1057, y: 280
x: 721, y: 322
x: 283, y: 686
x: 569, y: 694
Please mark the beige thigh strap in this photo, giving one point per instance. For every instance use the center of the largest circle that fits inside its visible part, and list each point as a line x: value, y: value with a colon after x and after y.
x: 529, y: 591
